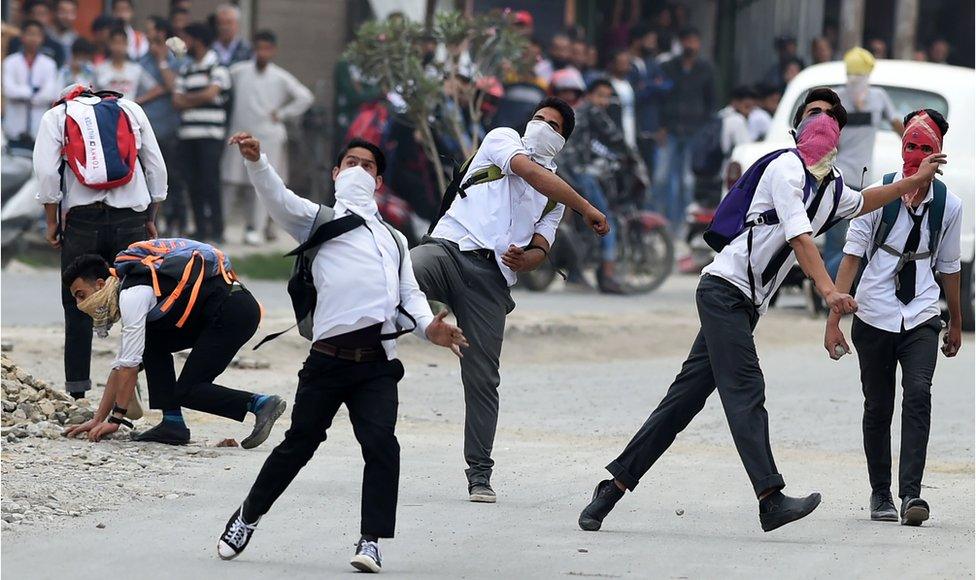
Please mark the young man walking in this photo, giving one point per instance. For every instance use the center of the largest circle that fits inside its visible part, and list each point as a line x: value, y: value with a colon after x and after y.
x: 85, y: 220
x: 214, y: 320
x: 734, y: 292
x: 364, y: 295
x: 905, y: 244
x: 490, y: 232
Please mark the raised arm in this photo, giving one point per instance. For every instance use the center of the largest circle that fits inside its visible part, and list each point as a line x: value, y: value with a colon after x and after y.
x: 880, y: 196
x: 552, y: 186
x: 292, y: 212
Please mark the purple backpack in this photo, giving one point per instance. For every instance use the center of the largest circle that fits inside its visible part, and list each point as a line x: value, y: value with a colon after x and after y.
x: 730, y: 217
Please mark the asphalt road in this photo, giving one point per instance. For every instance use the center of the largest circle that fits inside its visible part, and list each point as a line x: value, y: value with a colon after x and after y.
x: 580, y: 373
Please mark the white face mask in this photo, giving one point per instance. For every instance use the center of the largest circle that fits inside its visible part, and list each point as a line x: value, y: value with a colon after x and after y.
x: 858, y: 85
x: 354, y: 187
x: 543, y: 142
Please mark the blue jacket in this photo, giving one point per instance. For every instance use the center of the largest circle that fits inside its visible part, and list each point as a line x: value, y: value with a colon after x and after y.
x: 650, y: 87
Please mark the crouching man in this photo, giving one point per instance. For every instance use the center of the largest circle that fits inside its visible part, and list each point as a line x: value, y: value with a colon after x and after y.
x: 898, y: 323
x: 365, y: 295
x: 203, y: 308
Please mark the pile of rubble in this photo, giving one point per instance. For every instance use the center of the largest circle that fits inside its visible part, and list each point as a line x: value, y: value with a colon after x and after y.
x: 32, y: 408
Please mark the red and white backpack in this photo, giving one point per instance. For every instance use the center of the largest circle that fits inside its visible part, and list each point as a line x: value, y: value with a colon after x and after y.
x: 101, y: 146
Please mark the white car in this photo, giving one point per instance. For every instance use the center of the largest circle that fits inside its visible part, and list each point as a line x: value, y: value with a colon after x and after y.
x: 950, y: 90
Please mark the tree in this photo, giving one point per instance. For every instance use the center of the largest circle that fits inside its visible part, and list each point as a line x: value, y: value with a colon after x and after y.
x: 388, y: 53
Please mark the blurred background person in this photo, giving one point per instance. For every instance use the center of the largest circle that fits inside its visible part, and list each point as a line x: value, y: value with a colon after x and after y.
x: 786, y: 52
x: 230, y: 46
x: 40, y: 11
x: 761, y: 116
x: 879, y: 48
x: 79, y: 70
x: 267, y: 97
x: 29, y: 86
x: 122, y: 75
x: 63, y: 27
x: 820, y: 50
x: 619, y: 71
x: 939, y: 51
x: 791, y: 68
x: 650, y: 87
x: 138, y: 43
x: 179, y: 19
x: 101, y: 28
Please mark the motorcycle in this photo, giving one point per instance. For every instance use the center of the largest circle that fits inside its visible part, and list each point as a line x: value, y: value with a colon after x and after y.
x: 19, y: 211
x: 645, y: 249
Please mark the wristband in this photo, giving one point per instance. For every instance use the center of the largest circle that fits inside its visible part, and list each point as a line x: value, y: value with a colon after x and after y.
x: 119, y: 410
x: 535, y: 247
x: 120, y: 421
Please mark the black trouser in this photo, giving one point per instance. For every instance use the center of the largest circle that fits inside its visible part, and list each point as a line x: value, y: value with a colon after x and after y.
x: 201, y: 173
x: 174, y: 210
x: 219, y: 327
x: 723, y: 357
x: 91, y: 229
x: 878, y: 352
x: 369, y: 391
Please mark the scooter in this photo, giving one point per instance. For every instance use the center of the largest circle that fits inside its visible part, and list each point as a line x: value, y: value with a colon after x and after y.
x: 20, y: 213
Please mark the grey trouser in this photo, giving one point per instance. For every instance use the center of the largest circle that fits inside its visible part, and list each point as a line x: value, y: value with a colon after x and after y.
x: 473, y: 288
x: 723, y: 358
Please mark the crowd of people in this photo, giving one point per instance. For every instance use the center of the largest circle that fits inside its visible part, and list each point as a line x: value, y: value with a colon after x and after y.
x: 192, y: 100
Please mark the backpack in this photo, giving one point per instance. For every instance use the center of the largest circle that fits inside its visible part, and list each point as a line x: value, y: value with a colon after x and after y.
x: 706, y: 149
x: 100, y: 144
x: 175, y: 258
x: 301, y: 285
x: 889, y: 215
x: 457, y: 188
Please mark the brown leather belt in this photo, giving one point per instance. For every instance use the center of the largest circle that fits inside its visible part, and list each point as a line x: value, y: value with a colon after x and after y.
x: 367, y: 354
x: 481, y: 253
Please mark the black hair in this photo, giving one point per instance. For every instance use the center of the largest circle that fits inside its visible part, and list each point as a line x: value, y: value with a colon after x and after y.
x: 31, y: 4
x: 567, y: 113
x: 766, y: 89
x: 822, y: 94
x: 82, y: 46
x: 88, y: 267
x: 162, y: 24
x: 936, y: 116
x: 32, y: 23
x: 688, y: 32
x: 104, y: 21
x: 364, y: 144
x: 117, y: 31
x: 792, y: 60
x: 744, y: 92
x: 597, y: 83
x: 638, y: 31
x: 131, y: 3
x: 200, y: 31
x: 75, y: 2
x: 176, y: 11
x: 265, y: 36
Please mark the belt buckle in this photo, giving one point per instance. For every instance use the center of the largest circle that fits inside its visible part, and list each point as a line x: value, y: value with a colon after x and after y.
x: 357, y: 355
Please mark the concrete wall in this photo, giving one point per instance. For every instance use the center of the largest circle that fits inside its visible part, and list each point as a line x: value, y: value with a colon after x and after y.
x: 760, y: 21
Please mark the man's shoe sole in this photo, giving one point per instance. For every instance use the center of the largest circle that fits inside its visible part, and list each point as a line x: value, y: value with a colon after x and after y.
x: 914, y: 516
x: 481, y: 498
x: 365, y: 564
x: 772, y: 526
x: 885, y: 517
x: 255, y: 439
x: 163, y: 441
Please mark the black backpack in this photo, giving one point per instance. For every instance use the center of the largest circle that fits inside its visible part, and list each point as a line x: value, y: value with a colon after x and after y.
x: 301, y: 285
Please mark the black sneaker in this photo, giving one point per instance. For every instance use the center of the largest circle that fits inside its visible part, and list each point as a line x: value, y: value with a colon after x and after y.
x: 168, y: 432
x: 481, y: 493
x: 605, y: 496
x: 264, y: 420
x: 367, y: 558
x: 914, y: 511
x: 778, y: 510
x: 236, y: 535
x: 883, y: 507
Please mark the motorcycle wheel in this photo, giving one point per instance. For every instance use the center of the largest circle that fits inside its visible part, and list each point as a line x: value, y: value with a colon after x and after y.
x: 647, y: 257
x: 538, y: 280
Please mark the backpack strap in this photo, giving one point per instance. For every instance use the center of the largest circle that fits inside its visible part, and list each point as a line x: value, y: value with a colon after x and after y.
x: 832, y: 220
x: 451, y: 192
x: 400, y: 331
x: 936, y: 213
x: 889, y: 215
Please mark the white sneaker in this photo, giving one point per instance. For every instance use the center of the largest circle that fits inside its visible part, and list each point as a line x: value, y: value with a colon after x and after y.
x: 367, y: 558
x: 253, y: 238
x: 236, y: 535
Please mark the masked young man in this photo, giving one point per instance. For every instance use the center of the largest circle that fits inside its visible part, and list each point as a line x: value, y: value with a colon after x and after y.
x: 364, y: 288
x: 734, y: 291
x: 214, y: 320
x: 898, y: 322
x: 490, y: 233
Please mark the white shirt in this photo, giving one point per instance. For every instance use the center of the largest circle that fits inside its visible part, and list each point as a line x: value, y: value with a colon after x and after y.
x: 28, y: 91
x: 131, y: 80
x: 358, y: 276
x: 499, y: 213
x: 779, y: 188
x: 877, y: 303
x: 628, y: 116
x: 148, y: 183
x: 735, y: 130
x: 135, y: 303
x: 759, y: 123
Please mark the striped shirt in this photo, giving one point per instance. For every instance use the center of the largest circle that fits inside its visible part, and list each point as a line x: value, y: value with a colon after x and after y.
x: 206, y: 121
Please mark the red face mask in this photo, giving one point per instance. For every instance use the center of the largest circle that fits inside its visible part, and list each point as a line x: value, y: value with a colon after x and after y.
x: 921, y: 131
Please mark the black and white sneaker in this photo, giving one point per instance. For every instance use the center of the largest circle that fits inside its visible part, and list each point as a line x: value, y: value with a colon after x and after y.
x: 236, y: 536
x: 367, y: 558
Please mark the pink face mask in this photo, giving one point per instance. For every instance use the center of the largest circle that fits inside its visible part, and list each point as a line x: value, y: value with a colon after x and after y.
x: 816, y: 138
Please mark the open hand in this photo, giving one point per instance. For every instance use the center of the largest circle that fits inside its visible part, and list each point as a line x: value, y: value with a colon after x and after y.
x: 249, y: 147
x: 85, y: 427
x: 445, y: 334
x: 930, y: 166
x: 101, y: 430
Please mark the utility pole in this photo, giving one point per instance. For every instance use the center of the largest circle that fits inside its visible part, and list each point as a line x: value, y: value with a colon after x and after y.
x: 906, y: 25
x: 851, y: 24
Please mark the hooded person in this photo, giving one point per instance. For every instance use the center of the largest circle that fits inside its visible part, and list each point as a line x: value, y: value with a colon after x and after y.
x: 868, y: 108
x: 799, y: 195
x: 492, y: 230
x: 365, y: 296
x: 899, y: 249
